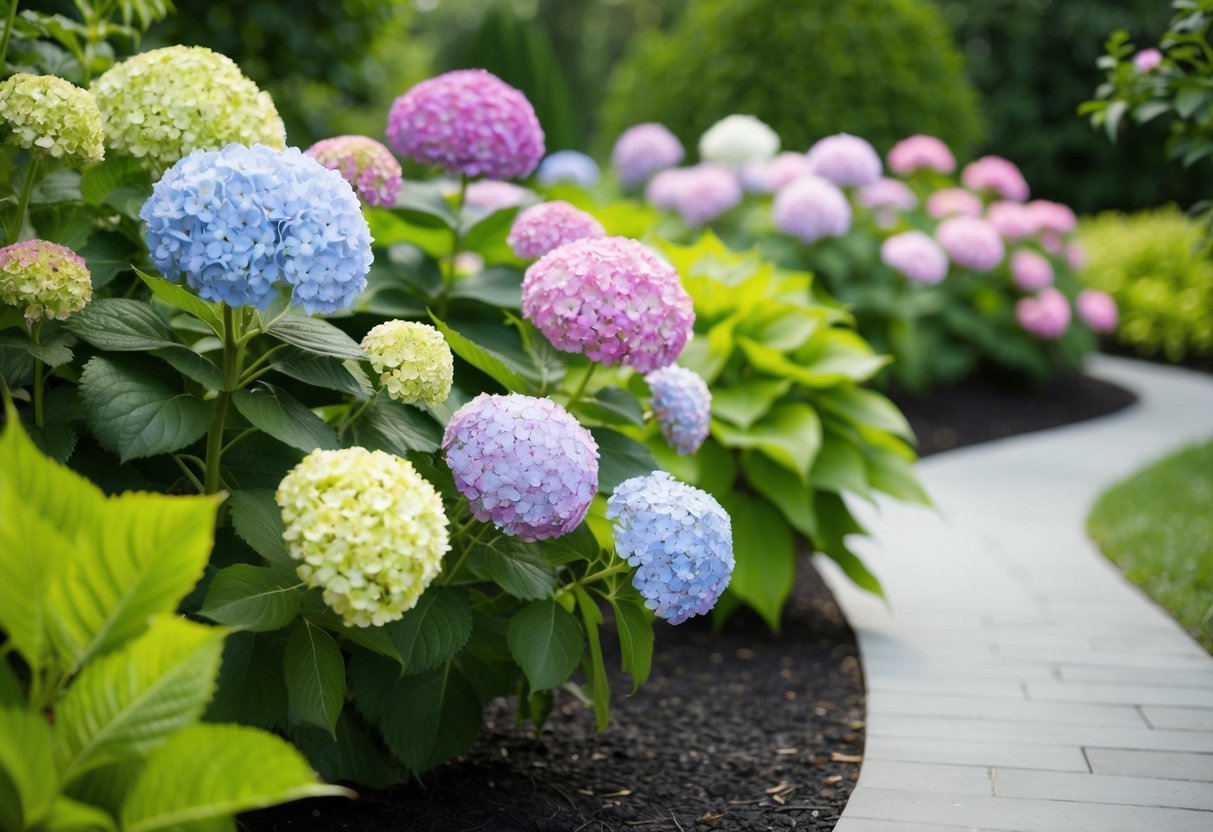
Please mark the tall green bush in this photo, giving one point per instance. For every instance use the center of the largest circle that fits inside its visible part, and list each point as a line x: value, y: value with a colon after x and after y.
x: 882, y: 69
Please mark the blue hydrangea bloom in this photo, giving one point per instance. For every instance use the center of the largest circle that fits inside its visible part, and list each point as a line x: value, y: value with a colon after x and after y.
x: 682, y: 404
x: 241, y: 222
x: 568, y: 166
x: 680, y: 540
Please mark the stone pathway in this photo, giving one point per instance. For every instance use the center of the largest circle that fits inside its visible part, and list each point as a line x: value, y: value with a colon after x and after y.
x: 1016, y: 682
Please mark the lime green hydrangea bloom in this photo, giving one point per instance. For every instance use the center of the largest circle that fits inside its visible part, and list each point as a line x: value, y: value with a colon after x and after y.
x: 51, y: 117
x: 366, y: 528
x: 45, y: 280
x: 413, y: 360
x: 163, y: 104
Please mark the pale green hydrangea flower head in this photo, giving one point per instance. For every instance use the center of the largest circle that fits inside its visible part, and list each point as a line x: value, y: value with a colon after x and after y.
x: 366, y: 528
x: 51, y: 117
x: 163, y: 104
x: 45, y: 280
x: 413, y: 360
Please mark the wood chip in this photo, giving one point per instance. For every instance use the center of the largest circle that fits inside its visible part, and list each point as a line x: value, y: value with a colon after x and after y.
x: 832, y: 779
x: 787, y: 751
x: 587, y: 792
x: 779, y: 788
x: 620, y: 793
x: 838, y: 757
x: 712, y: 820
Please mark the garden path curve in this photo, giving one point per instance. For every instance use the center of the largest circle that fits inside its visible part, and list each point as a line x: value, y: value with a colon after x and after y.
x: 1016, y: 682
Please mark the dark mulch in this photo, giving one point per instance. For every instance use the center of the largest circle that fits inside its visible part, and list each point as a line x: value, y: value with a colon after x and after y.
x: 744, y: 730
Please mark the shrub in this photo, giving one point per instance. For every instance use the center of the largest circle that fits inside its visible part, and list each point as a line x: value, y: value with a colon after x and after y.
x: 882, y: 69
x: 1151, y: 264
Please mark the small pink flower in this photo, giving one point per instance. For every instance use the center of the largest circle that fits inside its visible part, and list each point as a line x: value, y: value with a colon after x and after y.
x: 364, y: 163
x: 663, y: 189
x: 951, y: 201
x: 1030, y: 271
x: 490, y: 195
x: 1052, y: 216
x: 811, y: 208
x: 1097, y: 310
x: 1147, y: 60
x: 892, y: 193
x: 915, y: 255
x: 643, y: 150
x: 1012, y: 219
x: 1076, y: 256
x: 549, y: 225
x: 1046, y: 315
x: 971, y: 243
x: 921, y: 153
x: 994, y: 173
x: 706, y: 192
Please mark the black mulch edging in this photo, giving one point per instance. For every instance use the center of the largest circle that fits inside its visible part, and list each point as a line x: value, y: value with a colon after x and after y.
x: 744, y: 730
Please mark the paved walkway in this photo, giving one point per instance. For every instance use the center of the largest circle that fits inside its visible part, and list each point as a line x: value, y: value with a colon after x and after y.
x: 1016, y: 682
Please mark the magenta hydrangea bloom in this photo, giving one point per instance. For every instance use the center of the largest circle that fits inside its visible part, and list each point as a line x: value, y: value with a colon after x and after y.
x: 365, y: 163
x: 1076, y: 256
x: 767, y: 176
x: 1046, y: 315
x: 1052, y: 216
x: 1147, y: 60
x: 1013, y: 220
x: 682, y: 405
x: 994, y: 173
x: 845, y: 160
x: 468, y: 121
x: 613, y: 300
x: 549, y: 225
x: 971, y: 242
x: 490, y: 195
x: 643, y: 150
x: 524, y: 464
x: 1097, y: 310
x: 921, y: 152
x: 705, y: 192
x: 916, y: 256
x: 811, y: 208
x: 887, y: 193
x: 1030, y: 271
x: 954, y: 202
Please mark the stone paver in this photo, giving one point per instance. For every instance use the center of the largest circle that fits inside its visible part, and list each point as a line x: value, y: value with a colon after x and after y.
x: 1017, y: 683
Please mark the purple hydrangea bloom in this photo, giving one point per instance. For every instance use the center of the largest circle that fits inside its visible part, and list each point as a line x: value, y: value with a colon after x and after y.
x: 845, y: 160
x: 1030, y: 271
x: 705, y: 192
x: 524, y: 464
x: 1046, y: 315
x: 568, y: 166
x: 811, y: 208
x: 682, y: 405
x: 680, y: 540
x: 1097, y: 310
x: 490, y: 195
x: 365, y: 163
x: 994, y: 173
x: 885, y: 192
x: 240, y: 222
x: 664, y: 188
x: 549, y: 225
x: 971, y: 242
x: 765, y: 176
x: 915, y: 255
x: 953, y: 201
x: 921, y: 152
x: 644, y: 149
x: 613, y: 300
x: 468, y: 121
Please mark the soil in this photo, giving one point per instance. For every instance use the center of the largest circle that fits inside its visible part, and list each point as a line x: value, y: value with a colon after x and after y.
x: 737, y: 731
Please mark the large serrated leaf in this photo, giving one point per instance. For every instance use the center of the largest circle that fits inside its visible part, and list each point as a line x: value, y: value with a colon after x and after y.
x: 315, y: 676
x: 28, y: 779
x: 256, y: 598
x: 396, y: 428
x: 620, y: 458
x: 480, y: 358
x: 517, y: 567
x: 593, y: 665
x: 121, y: 325
x: 433, y: 716
x: 546, y: 642
x: 790, y: 434
x: 181, y: 298
x: 431, y: 633
x: 258, y: 522
x: 279, y: 414
x: 635, y: 626
x: 316, y: 336
x: 766, y: 558
x: 251, y: 687
x: 342, y: 375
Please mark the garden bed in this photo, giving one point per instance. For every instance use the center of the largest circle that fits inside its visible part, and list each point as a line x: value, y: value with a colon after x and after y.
x: 738, y: 731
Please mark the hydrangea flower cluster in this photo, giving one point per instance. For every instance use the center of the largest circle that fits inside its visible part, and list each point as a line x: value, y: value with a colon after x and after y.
x: 811, y: 208
x: 524, y: 464
x: 887, y: 193
x: 51, y: 117
x: 568, y: 166
x: 921, y: 152
x: 1046, y: 315
x: 916, y: 256
x: 737, y: 139
x: 664, y: 188
x: 366, y: 528
x: 705, y: 192
x: 679, y: 539
x: 45, y: 280
x: 1076, y: 256
x: 682, y: 405
x: 847, y: 161
x: 644, y: 149
x: 765, y: 177
x: 1052, y: 217
x: 242, y: 221
x: 1030, y: 271
x: 971, y: 242
x: 952, y: 202
x: 491, y: 195
x: 613, y: 300
x: 413, y: 360
x: 163, y: 104
x: 549, y: 225
x: 1012, y: 220
x: 468, y: 121
x: 365, y: 163
x: 994, y: 173
x: 1097, y: 310
x: 1147, y: 60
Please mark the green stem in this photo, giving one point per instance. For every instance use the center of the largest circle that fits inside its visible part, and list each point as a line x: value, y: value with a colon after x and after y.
x: 354, y: 415
x: 448, y: 273
x: 585, y: 381
x: 585, y: 580
x: 231, y: 383
x: 8, y: 33
x: 26, y: 188
x: 250, y: 372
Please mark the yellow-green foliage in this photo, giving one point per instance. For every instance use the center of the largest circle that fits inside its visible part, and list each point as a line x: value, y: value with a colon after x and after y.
x: 1151, y: 264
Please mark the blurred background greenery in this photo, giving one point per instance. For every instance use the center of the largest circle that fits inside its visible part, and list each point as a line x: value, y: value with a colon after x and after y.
x: 992, y: 76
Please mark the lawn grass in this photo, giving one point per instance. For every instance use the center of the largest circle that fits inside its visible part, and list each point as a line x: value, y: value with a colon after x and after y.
x: 1157, y: 526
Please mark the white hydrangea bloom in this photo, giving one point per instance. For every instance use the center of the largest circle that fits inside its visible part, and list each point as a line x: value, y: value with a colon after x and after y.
x: 737, y: 139
x: 413, y: 360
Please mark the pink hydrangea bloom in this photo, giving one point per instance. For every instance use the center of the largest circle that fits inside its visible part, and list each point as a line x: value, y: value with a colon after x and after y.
x: 643, y: 150
x: 994, y: 173
x: 491, y: 195
x: 951, y: 201
x: 1076, y: 256
x: 1097, y: 310
x: 845, y: 160
x: 811, y: 208
x: 921, y: 153
x: 915, y: 255
x: 1052, y: 216
x: 1147, y: 60
x: 705, y: 192
x: 365, y: 163
x: 1012, y: 219
x: 971, y: 242
x: 549, y: 225
x: 613, y: 300
x: 663, y: 189
x: 1030, y: 271
x: 892, y: 193
x: 1046, y: 315
x: 765, y: 177
x: 468, y: 121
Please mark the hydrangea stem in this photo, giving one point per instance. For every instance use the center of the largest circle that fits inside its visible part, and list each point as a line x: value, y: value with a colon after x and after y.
x: 231, y: 383
x: 31, y: 173
x: 580, y: 391
x: 448, y: 273
x: 8, y: 34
